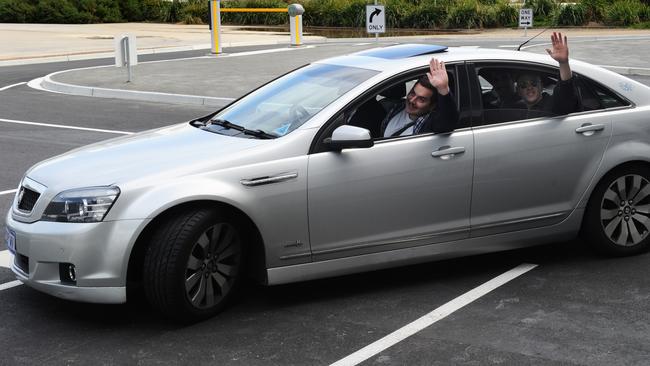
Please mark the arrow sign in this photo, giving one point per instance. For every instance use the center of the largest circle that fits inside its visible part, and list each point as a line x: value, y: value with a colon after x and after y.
x: 375, y: 19
x: 376, y: 12
x: 525, y: 18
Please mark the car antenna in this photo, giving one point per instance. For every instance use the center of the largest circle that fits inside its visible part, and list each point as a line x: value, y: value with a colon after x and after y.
x: 545, y: 29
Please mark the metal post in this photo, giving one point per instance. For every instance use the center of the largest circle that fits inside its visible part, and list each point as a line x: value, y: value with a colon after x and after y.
x: 127, y: 56
x: 215, y: 25
x: 295, y: 30
x: 295, y: 23
x: 376, y: 34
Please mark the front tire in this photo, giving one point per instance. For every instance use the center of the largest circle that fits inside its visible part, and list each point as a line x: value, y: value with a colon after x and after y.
x: 193, y: 264
x: 617, y: 220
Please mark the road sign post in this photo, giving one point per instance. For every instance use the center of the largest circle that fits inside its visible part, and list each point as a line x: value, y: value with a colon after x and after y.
x: 375, y: 19
x: 525, y: 19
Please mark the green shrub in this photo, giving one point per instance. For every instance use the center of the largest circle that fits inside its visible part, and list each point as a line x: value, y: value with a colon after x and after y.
x: 595, y: 9
x: 644, y: 13
x: 465, y: 14
x: 397, y: 13
x: 623, y: 12
x: 572, y: 15
x: 16, y: 11
x: 195, y: 13
x: 501, y: 14
x: 109, y: 11
x: 542, y: 8
x: 335, y: 13
x: 131, y: 10
x: 154, y: 10
x: 428, y: 15
x: 255, y: 18
x: 56, y: 11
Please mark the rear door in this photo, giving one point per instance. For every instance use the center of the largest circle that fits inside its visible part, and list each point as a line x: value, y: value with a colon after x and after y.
x: 530, y: 172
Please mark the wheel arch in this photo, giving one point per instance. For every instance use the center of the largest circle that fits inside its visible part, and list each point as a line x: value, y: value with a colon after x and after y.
x: 256, y: 258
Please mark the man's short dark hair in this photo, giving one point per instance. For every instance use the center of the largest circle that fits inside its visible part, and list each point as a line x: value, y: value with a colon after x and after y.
x: 424, y: 81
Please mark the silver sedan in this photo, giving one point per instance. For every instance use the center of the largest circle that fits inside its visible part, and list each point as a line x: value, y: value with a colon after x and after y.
x: 297, y: 181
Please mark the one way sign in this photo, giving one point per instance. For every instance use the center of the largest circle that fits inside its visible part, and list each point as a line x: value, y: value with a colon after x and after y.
x: 525, y: 18
x: 375, y: 19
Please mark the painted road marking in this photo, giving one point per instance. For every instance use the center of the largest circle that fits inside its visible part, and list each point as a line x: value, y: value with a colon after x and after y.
x: 66, y: 127
x: 8, y: 192
x: 9, y: 285
x: 434, y: 316
x: 5, y: 259
x: 12, y: 85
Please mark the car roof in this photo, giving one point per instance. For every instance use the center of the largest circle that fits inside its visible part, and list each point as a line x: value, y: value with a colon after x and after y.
x: 394, y: 59
x: 408, y: 56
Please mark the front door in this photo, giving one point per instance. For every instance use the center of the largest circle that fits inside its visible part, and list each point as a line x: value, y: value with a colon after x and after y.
x: 400, y: 193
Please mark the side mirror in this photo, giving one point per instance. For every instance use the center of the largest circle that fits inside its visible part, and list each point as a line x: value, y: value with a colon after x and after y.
x: 349, y: 137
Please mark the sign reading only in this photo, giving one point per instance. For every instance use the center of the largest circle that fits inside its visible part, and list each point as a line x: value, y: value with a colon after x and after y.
x: 525, y: 18
x: 375, y: 19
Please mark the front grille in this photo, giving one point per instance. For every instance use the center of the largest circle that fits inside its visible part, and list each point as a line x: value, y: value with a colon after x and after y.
x: 27, y: 199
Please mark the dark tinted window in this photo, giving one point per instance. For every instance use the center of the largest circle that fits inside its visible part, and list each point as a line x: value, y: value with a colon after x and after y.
x: 595, y: 96
x: 510, y: 93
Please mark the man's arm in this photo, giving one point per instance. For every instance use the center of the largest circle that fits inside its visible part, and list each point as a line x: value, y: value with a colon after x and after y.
x: 445, y: 118
x: 565, y: 100
x: 560, y: 53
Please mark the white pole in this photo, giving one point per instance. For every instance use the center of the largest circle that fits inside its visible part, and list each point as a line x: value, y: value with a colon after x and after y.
x: 295, y: 27
x: 215, y: 24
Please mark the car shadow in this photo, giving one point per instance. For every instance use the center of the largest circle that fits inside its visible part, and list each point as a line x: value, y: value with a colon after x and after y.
x: 254, y: 298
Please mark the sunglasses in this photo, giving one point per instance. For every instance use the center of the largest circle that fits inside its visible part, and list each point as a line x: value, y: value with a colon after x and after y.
x: 527, y: 83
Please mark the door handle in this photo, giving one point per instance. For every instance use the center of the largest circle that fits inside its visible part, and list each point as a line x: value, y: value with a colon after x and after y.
x: 588, y: 129
x: 447, y: 152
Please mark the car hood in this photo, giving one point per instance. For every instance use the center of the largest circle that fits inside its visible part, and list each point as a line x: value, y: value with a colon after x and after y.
x: 171, y: 151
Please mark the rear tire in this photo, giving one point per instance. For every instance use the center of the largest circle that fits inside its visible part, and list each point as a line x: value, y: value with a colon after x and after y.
x: 617, y: 221
x: 193, y: 265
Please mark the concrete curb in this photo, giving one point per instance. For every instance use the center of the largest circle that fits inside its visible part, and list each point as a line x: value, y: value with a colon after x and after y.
x: 87, y: 91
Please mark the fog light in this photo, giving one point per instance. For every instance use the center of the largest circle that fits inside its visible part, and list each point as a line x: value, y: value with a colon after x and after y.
x: 67, y: 273
x: 71, y: 273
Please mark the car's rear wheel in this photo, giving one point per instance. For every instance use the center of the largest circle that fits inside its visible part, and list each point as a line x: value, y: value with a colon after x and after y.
x: 193, y: 264
x: 617, y: 221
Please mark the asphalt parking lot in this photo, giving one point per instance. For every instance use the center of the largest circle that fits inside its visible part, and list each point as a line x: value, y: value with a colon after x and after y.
x: 572, y: 308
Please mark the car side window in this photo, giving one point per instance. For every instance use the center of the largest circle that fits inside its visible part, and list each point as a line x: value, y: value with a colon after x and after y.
x: 511, y: 93
x: 373, y: 112
x: 594, y: 96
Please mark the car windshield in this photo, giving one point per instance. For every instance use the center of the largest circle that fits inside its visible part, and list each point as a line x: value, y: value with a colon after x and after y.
x: 286, y: 103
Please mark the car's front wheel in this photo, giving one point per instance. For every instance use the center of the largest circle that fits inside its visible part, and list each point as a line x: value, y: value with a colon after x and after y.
x: 193, y: 264
x: 617, y: 220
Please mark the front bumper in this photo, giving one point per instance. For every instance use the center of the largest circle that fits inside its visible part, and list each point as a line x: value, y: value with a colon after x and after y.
x: 99, y: 252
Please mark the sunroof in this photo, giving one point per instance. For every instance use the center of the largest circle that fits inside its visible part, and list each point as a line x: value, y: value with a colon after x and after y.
x: 403, y: 51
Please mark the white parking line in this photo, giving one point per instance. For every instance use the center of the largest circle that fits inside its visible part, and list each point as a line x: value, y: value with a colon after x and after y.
x: 8, y: 192
x: 9, y: 285
x: 429, y: 319
x: 5, y: 259
x: 12, y: 85
x: 66, y: 127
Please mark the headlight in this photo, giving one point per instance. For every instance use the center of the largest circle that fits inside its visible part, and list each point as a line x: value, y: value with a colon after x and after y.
x: 81, y: 205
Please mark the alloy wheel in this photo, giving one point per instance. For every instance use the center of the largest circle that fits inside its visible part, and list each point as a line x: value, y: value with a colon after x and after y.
x: 625, y: 210
x: 213, y: 266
